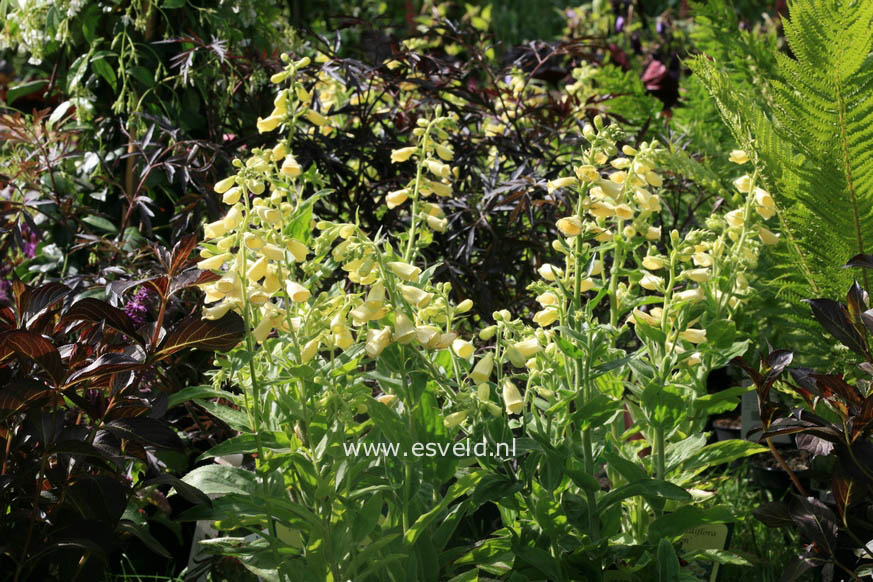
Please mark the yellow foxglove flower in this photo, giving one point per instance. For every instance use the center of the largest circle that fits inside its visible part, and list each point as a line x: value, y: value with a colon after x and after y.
x: 402, y: 154
x: 739, y: 157
x: 257, y: 270
x: 290, y: 167
x: 462, y: 348
x: 618, y: 177
x: 765, y: 212
x: 620, y: 163
x: 277, y: 78
x: 550, y: 272
x: 638, y: 315
x: 694, y: 359
x: 437, y: 224
x: 694, y: 336
x: 482, y: 370
x: 702, y: 259
x: 653, y: 263
x: 233, y: 218
x: 547, y: 299
x: 586, y: 285
x: 570, y: 225
x: 559, y: 183
x: 699, y: 275
x: 268, y: 124
x: 405, y: 271
x: 735, y: 218
x: 512, y: 399
x: 439, y: 188
x: 464, y: 306
x: 445, y: 340
x: 743, y: 184
x: 767, y: 237
x: 629, y: 231
x: 217, y: 311
x: 454, y: 419
x: 213, y: 263
x: 377, y: 340
x: 763, y: 198
x: 258, y: 297
x: 528, y: 347
x: 415, y: 296
x: 343, y: 339
x: 309, y: 350
x: 272, y: 252
x: 483, y: 392
x: 486, y: 333
x: 654, y: 179
x: 695, y: 295
x: 386, y: 399
x: 223, y: 186
x: 404, y: 331
x: 396, y: 198
x: 597, y: 268
x: 427, y: 335
x: 298, y: 250
x: 651, y: 282
x: 444, y: 152
x: 271, y: 281
x: 653, y: 233
x: 226, y: 284
x: 278, y: 153
x: 603, y: 235
x: 297, y: 292
x: 587, y: 173
x: 438, y: 169
x: 546, y: 317
x: 316, y: 119
x: 601, y: 209
x: 232, y: 196
x: 252, y: 241
x: 214, y: 229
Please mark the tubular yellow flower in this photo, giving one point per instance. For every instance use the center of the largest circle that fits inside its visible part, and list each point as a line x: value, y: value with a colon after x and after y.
x: 444, y: 341
x: 699, y: 275
x: 316, y: 119
x: 702, y: 259
x: 597, y: 268
x: 396, y: 198
x: 653, y: 233
x: 739, y: 157
x: 213, y: 263
x: 546, y: 317
x: 437, y: 224
x: 653, y: 263
x: 454, y: 419
x: 268, y: 124
x: 232, y: 196
x: 559, y: 183
x: 734, y: 218
x: 278, y: 153
x: 440, y: 189
x: 252, y: 241
x: 438, y: 169
x: 214, y: 229
x: 743, y: 184
x: 404, y: 331
x: 258, y: 270
x: 620, y: 163
x: 586, y: 285
x: 651, y: 282
x: 765, y: 212
x: 462, y: 348
x: 427, y: 335
x: 444, y: 152
x: 273, y: 252
x: 654, y: 179
x: 223, y: 186
x: 402, y: 154
x: 386, y: 399
x: 415, y: 296
x: 309, y: 350
x: 217, y: 311
x: 695, y: 295
x: 550, y: 272
x: 601, y: 209
x: 483, y: 392
x: 482, y: 370
x: 528, y: 347
x: 637, y: 315
x: 587, y: 173
x: 290, y: 167
x: 512, y: 399
x: 343, y: 339
x: 694, y: 336
x: 570, y: 225
x: 547, y: 299
x: 298, y: 250
x: 297, y: 292
x: 767, y: 237
x: 377, y: 341
x: 486, y: 333
x: 233, y: 218
x: 405, y: 271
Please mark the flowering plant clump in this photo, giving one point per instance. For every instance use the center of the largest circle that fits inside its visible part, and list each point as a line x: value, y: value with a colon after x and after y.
x: 350, y: 338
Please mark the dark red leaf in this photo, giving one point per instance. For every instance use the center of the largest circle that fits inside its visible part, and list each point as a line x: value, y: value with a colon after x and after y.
x: 815, y: 521
x: 815, y: 445
x: 97, y: 311
x: 860, y: 260
x: 34, y: 347
x: 833, y: 384
x: 190, y: 278
x: 181, y: 251
x: 842, y: 489
x: 773, y: 514
x: 107, y: 364
x: 148, y: 431
x: 41, y: 301
x: 193, y: 332
x: 834, y: 317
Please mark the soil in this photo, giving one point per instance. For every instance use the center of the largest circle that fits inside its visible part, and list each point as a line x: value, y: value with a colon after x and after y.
x: 797, y: 460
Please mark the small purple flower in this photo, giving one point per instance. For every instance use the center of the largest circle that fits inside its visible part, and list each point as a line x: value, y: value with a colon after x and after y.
x: 619, y: 24
x: 5, y: 288
x: 29, y: 240
x: 660, y: 27
x: 138, y: 307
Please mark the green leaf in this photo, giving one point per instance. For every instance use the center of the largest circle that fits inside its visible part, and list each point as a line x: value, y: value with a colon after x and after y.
x: 248, y: 443
x: 222, y: 480
x: 101, y: 223
x: 649, y: 488
x: 24, y: 89
x: 143, y: 75
x: 194, y: 393
x: 598, y: 411
x: 686, y: 517
x: 721, y: 452
x: 668, y: 562
x: 460, y: 487
x: 104, y: 69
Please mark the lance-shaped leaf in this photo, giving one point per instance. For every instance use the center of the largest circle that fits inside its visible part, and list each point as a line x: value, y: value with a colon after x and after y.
x: 204, y: 334
x: 34, y: 347
x: 40, y: 302
x: 190, y: 278
x: 833, y: 316
x: 861, y: 260
x: 148, y: 431
x: 97, y: 311
x: 181, y: 251
x: 109, y: 363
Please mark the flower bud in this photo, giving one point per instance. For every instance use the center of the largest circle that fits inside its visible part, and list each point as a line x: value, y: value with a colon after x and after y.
x: 483, y: 392
x: 651, y: 282
x: 402, y: 154
x: 454, y: 419
x: 396, y: 198
x: 653, y: 263
x: 694, y: 336
x: 550, y: 272
x: 224, y: 185
x: 487, y: 333
x: 464, y: 306
x: 546, y: 317
x: 309, y: 350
